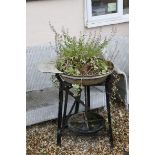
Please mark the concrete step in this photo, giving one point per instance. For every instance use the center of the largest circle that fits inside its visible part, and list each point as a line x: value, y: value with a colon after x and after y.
x: 42, y: 105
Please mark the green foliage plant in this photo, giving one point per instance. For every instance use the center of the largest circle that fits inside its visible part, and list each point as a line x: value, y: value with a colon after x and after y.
x: 84, y: 56
x: 81, y: 56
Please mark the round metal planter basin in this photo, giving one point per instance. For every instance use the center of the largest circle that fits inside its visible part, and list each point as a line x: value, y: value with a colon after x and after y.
x: 86, y: 123
x: 85, y: 80
x: 88, y: 80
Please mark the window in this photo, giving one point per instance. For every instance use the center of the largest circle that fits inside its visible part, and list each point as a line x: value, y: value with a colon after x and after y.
x: 125, y: 6
x: 106, y: 12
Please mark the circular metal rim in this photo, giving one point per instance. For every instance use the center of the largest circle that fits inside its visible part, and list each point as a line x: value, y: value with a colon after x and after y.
x: 86, y: 77
x: 102, y: 125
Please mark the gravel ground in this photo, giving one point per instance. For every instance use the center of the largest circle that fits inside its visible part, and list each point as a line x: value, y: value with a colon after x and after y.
x: 41, y: 138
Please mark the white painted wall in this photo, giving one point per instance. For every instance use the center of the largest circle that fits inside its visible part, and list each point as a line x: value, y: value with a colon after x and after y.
x: 67, y: 13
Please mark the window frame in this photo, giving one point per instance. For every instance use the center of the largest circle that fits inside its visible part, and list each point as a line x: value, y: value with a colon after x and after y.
x: 107, y: 19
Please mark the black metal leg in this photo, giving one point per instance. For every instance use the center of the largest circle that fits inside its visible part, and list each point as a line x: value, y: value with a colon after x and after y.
x: 88, y: 96
x: 86, y: 99
x: 76, y: 107
x: 77, y: 100
x: 65, y: 108
x: 60, y: 115
x: 108, y: 109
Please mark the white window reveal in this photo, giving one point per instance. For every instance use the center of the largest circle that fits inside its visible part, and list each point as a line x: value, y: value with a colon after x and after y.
x: 106, y: 12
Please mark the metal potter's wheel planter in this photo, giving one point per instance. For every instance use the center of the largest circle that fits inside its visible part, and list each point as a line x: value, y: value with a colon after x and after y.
x: 86, y: 122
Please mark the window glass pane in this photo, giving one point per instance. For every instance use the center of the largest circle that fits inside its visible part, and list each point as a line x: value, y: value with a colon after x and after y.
x: 125, y: 6
x: 102, y: 7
